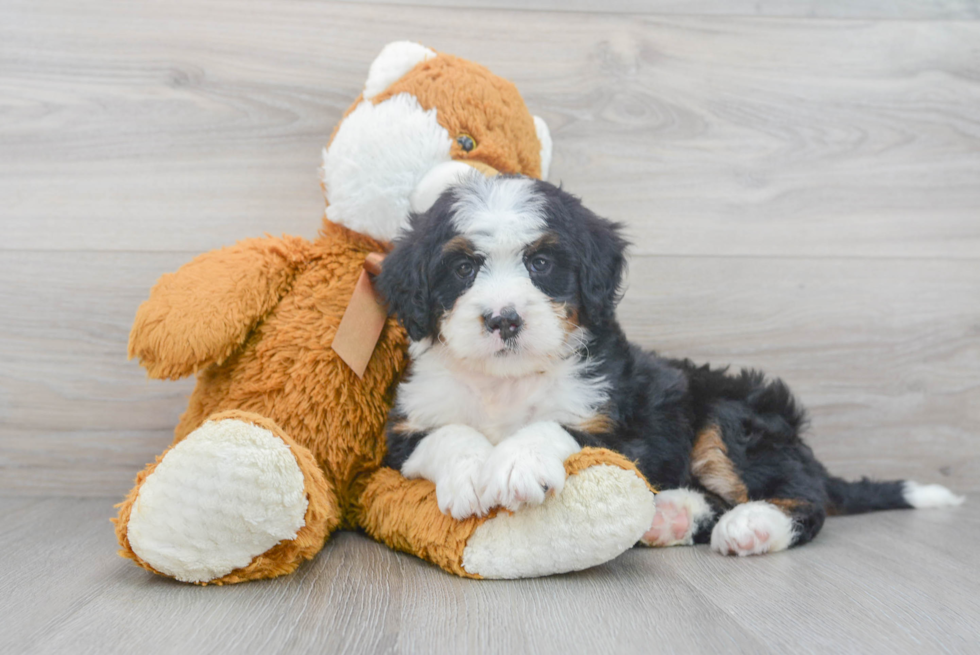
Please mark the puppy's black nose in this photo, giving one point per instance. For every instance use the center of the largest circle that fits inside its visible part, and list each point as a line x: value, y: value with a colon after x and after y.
x: 508, y: 321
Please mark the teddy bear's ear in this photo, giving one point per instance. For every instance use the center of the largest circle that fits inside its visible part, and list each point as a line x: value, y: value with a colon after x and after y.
x: 544, y: 136
x: 396, y: 59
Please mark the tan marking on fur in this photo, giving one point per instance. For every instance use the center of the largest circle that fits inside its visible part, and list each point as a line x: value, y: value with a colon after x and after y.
x: 567, y: 315
x: 711, y: 466
x: 787, y: 505
x: 402, y: 427
x: 459, y: 244
x: 597, y: 424
x: 548, y: 239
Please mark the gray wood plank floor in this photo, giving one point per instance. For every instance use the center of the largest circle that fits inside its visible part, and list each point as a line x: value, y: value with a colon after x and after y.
x: 898, y: 582
x: 801, y: 181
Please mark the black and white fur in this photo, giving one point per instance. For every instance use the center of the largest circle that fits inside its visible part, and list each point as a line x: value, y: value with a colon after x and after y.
x: 507, y: 288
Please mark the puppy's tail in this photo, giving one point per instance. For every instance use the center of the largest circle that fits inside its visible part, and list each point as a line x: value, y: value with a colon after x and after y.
x: 867, y: 495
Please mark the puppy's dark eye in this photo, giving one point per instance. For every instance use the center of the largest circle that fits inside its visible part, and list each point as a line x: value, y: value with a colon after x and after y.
x: 539, y: 264
x: 464, y: 270
x: 465, y: 142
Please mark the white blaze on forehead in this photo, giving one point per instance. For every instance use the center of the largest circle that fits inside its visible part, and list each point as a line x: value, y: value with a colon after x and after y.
x: 499, y: 215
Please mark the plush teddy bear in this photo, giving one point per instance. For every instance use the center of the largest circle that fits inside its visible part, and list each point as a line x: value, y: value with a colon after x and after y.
x: 283, y: 440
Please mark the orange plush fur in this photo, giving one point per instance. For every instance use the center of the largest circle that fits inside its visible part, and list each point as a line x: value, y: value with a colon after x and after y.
x: 255, y: 321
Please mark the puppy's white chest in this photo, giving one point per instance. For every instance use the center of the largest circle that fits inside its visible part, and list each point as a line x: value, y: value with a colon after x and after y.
x: 505, y: 406
x: 497, y: 407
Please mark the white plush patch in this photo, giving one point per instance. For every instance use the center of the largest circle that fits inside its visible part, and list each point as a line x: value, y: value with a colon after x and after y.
x: 922, y: 496
x: 544, y: 136
x: 680, y: 512
x: 526, y: 467
x: 396, y: 59
x: 378, y: 157
x: 752, y: 529
x: 436, y: 181
x: 228, y: 492
x: 452, y: 457
x: 601, y: 513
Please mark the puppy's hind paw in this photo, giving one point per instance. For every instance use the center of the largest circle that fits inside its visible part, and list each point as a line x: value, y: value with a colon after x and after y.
x: 752, y: 529
x: 679, y: 512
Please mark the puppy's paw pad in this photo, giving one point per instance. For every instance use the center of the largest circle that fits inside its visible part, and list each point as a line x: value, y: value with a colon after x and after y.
x: 671, y: 525
x: 679, y: 512
x: 752, y: 529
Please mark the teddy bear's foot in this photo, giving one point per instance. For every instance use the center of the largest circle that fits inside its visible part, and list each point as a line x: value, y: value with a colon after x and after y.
x: 234, y: 500
x: 603, y: 510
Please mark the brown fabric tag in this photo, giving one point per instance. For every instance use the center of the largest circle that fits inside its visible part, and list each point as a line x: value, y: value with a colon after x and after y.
x: 363, y: 320
x: 372, y: 263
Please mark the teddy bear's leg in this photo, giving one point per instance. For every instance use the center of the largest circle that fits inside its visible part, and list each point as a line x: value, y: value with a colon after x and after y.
x: 235, y: 500
x: 604, y: 509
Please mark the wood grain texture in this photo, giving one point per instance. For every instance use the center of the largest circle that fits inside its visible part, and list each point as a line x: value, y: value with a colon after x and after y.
x: 801, y: 195
x: 801, y: 189
x: 185, y: 126
x: 887, y: 583
x: 844, y: 9
x: 885, y: 353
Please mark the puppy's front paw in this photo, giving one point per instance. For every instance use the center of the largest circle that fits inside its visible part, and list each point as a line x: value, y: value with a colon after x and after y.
x: 458, y: 491
x: 518, y: 474
x: 752, y: 529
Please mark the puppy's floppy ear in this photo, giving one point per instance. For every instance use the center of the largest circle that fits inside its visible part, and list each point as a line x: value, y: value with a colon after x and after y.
x: 602, y: 265
x: 404, y: 282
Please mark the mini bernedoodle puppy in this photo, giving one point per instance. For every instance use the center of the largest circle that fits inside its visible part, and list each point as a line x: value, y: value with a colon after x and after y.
x: 507, y: 288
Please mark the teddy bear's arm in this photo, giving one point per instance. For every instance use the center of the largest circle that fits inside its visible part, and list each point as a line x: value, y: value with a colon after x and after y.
x: 203, y: 312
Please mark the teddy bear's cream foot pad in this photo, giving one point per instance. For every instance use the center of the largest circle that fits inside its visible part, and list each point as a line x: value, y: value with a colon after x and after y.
x: 602, y: 512
x: 228, y: 492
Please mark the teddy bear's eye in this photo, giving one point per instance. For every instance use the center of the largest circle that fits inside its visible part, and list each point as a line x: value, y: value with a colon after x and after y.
x: 466, y: 142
